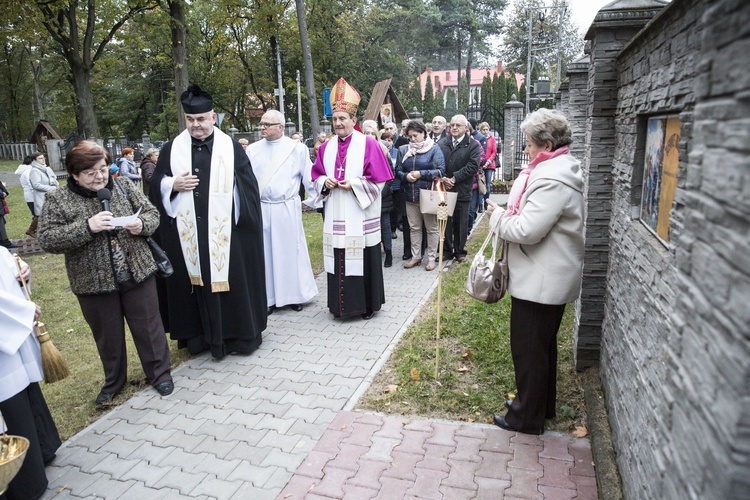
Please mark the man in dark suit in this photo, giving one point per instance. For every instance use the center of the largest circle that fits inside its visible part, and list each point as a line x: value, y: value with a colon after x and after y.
x: 462, y: 162
x: 398, y: 139
x: 439, y: 130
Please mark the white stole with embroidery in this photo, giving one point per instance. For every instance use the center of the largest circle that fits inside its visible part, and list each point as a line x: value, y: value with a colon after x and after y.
x: 352, y: 217
x: 221, y: 185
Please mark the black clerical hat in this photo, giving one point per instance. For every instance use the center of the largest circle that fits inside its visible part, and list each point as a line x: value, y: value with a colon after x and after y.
x: 196, y: 100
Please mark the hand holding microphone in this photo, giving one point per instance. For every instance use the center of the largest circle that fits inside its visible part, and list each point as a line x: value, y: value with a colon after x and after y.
x: 103, y: 220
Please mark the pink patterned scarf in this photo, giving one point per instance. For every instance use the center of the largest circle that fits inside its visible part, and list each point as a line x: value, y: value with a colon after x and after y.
x: 519, y: 186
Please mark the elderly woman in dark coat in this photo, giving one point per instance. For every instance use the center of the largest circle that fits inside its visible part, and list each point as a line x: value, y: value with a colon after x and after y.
x: 148, y: 164
x: 111, y: 269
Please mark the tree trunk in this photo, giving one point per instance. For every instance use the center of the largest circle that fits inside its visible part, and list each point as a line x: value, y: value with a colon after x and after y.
x: 87, y: 124
x: 458, y: 77
x: 312, y: 102
x: 179, y: 54
x: 469, y: 62
x: 36, y: 71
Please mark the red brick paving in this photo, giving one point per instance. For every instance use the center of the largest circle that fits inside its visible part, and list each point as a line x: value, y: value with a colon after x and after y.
x: 366, y: 456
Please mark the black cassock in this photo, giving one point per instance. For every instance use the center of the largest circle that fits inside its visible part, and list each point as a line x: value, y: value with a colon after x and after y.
x: 198, y: 319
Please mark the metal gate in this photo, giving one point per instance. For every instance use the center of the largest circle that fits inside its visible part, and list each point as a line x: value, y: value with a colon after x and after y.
x: 520, y: 158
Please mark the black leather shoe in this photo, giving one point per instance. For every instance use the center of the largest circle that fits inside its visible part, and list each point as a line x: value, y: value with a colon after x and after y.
x: 406, y: 256
x: 296, y: 307
x: 499, y: 421
x: 394, y: 236
x: 165, y: 388
x: 369, y: 314
x: 104, y: 398
x: 271, y: 310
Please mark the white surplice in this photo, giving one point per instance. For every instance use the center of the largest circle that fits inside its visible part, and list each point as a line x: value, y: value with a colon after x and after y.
x: 20, y: 359
x: 280, y: 166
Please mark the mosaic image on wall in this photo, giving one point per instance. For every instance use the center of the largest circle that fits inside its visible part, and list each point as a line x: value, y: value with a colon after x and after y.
x: 660, y: 173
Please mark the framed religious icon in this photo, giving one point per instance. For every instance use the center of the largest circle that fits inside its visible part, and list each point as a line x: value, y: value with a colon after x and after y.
x: 660, y: 167
x: 386, y: 113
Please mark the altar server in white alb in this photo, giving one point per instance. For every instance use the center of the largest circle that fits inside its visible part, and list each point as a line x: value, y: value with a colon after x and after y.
x: 23, y: 409
x: 280, y: 164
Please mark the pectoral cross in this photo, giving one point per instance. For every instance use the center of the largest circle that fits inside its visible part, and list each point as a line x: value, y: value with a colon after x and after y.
x: 340, y: 171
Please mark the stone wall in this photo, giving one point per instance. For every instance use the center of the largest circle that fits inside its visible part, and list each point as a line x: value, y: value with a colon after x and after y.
x: 675, y: 353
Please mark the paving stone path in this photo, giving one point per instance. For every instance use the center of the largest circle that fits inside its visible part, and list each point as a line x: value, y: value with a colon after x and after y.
x: 280, y: 424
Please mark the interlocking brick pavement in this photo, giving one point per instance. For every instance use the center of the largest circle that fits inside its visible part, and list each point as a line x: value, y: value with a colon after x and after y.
x: 280, y: 424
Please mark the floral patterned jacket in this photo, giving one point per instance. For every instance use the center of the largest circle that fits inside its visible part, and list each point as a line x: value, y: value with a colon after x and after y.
x: 63, y: 228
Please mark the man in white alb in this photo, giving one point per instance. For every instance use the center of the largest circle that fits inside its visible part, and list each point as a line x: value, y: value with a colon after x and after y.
x: 280, y: 164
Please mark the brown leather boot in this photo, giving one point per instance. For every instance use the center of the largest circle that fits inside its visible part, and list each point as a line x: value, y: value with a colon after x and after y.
x: 31, y: 231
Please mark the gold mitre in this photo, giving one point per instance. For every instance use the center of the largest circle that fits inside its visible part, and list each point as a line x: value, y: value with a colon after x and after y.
x: 344, y: 97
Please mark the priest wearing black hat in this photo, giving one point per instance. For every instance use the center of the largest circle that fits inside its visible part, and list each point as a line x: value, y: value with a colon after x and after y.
x: 211, y: 228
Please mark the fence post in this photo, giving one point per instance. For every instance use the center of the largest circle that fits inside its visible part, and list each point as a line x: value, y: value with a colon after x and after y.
x: 513, y: 115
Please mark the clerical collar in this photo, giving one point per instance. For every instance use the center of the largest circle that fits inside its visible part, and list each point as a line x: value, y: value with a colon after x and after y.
x: 208, y: 141
x: 345, y: 139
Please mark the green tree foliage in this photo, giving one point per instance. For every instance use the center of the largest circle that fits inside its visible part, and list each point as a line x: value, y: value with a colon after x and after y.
x: 464, y: 95
x: 107, y: 68
x: 451, y: 103
x: 428, y: 102
x: 512, y: 87
x: 438, y: 106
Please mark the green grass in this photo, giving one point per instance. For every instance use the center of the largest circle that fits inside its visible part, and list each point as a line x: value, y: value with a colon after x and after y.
x: 475, y: 373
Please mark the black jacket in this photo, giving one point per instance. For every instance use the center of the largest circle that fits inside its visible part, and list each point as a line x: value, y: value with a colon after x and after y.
x: 399, y: 141
x: 461, y: 163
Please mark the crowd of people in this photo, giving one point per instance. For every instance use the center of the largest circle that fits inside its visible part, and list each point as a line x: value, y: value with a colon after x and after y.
x: 228, y: 214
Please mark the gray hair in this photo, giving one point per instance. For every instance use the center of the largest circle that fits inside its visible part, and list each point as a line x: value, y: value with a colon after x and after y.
x: 151, y: 152
x: 548, y: 126
x: 462, y: 119
x: 278, y: 115
x: 371, y: 124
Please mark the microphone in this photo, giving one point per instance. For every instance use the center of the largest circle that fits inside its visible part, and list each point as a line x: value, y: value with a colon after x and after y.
x: 104, y: 195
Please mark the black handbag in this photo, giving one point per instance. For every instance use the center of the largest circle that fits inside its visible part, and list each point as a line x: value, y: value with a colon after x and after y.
x: 164, y: 267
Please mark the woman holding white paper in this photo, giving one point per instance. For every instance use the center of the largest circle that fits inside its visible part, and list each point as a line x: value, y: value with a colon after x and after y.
x: 111, y: 269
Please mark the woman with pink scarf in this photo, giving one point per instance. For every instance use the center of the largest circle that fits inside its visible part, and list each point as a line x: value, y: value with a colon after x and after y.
x: 418, y: 164
x: 543, y: 228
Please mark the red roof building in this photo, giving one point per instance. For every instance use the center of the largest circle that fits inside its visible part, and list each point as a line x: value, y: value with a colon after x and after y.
x: 444, y: 79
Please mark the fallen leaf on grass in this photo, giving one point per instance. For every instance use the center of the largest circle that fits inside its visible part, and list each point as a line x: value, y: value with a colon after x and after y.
x: 69, y: 330
x: 391, y: 388
x: 581, y: 431
x: 467, y: 354
x: 415, y: 375
x: 462, y: 369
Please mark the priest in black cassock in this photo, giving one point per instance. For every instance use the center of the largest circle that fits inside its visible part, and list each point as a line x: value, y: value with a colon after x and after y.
x: 211, y: 228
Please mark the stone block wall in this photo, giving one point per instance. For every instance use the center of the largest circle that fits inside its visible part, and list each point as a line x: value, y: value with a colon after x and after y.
x: 675, y: 354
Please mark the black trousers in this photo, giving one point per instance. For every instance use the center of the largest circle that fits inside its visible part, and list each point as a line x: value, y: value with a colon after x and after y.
x: 26, y: 414
x: 139, y: 305
x: 533, y: 345
x: 457, y: 230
